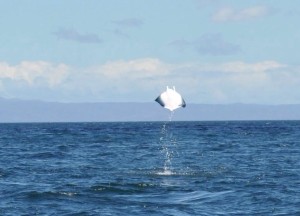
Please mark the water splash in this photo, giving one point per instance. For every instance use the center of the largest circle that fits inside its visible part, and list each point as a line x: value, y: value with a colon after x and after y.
x: 166, y: 173
x: 171, y: 115
x: 168, y: 143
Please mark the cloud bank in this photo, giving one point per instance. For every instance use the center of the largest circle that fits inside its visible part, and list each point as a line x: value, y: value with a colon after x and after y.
x: 142, y: 79
x: 34, y: 73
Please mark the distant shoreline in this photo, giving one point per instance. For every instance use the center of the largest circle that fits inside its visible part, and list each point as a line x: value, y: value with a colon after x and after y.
x: 23, y: 111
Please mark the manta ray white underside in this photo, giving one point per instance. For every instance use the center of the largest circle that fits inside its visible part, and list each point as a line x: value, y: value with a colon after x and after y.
x: 170, y: 99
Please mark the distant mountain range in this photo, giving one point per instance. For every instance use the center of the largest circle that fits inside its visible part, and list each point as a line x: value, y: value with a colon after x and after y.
x: 12, y: 110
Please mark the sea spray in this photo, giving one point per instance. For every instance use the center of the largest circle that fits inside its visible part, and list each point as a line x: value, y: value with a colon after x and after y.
x: 168, y: 144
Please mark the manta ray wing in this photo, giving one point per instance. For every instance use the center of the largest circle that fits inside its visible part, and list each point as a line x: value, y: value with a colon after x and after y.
x: 170, y: 99
x: 160, y: 101
x: 183, y: 104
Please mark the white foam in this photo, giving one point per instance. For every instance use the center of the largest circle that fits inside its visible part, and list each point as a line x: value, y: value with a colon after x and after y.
x: 166, y: 173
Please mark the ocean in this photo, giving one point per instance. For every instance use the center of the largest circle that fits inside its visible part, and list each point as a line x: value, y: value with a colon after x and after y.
x: 150, y: 168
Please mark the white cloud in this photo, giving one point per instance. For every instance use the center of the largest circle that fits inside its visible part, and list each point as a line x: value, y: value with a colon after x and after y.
x: 120, y: 80
x: 139, y: 68
x: 233, y: 82
x: 226, y: 14
x: 142, y: 79
x: 242, y: 67
x: 34, y: 72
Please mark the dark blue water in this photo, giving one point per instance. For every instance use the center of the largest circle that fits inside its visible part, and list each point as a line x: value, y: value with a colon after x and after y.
x: 173, y: 168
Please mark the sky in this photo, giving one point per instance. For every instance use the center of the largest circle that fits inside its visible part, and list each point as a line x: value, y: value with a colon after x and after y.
x: 213, y: 51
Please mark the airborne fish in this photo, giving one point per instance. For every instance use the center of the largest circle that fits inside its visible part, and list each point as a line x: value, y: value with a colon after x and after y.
x: 170, y: 99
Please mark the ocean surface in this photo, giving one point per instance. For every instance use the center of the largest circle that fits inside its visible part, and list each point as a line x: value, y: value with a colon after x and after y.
x: 150, y: 168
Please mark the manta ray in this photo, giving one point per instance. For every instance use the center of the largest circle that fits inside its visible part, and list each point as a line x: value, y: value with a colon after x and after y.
x: 170, y: 99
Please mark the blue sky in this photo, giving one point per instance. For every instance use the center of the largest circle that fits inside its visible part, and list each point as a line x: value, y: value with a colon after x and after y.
x: 213, y: 51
